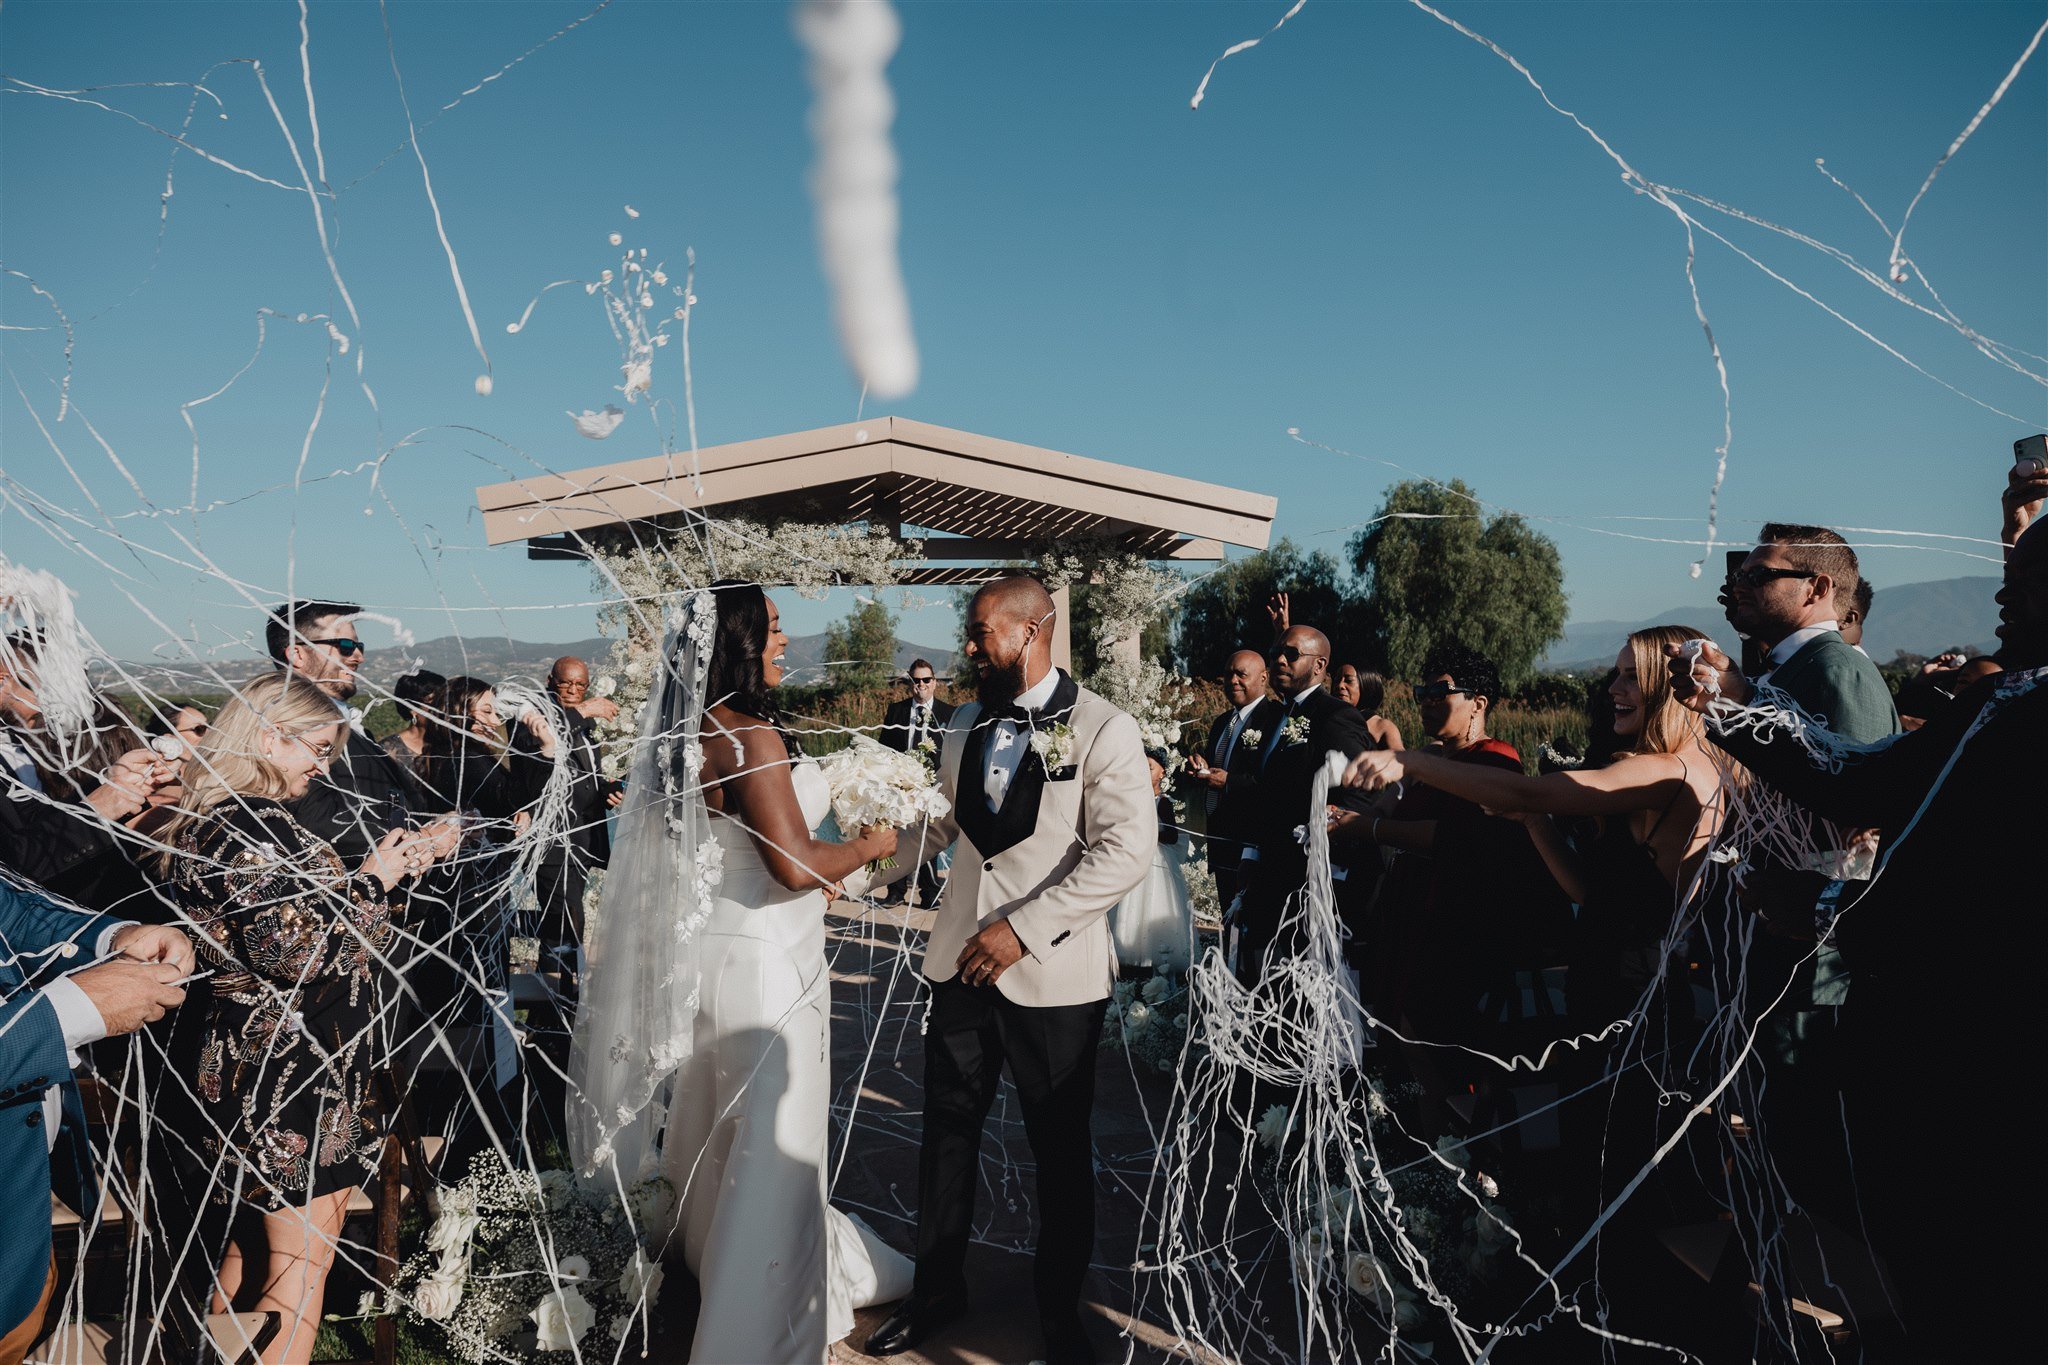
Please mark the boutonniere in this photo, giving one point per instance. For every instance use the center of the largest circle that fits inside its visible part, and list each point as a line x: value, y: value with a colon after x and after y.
x: 1251, y: 736
x: 1054, y: 746
x: 1295, y: 731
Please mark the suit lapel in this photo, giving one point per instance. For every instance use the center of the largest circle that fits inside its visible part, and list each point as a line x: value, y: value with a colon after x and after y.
x: 993, y: 831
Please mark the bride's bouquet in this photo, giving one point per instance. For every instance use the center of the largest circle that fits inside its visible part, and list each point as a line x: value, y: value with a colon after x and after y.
x: 875, y: 785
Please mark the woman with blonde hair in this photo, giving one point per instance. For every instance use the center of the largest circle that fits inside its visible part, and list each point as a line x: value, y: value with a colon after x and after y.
x: 287, y: 1122
x: 1658, y: 806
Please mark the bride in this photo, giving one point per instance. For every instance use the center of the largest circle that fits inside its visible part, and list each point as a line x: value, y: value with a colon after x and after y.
x: 708, y: 983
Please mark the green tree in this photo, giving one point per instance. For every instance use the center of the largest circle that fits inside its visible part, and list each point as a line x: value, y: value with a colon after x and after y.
x: 860, y: 651
x: 1435, y: 568
x: 1226, y: 611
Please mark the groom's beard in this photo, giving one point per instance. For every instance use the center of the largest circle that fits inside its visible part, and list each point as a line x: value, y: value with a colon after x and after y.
x: 1002, y: 684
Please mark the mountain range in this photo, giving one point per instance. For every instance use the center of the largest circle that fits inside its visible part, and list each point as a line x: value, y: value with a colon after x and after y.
x: 1920, y: 618
x: 496, y: 657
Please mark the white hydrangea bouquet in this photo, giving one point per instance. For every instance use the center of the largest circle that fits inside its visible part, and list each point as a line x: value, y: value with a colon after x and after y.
x: 519, y: 1267
x: 874, y: 785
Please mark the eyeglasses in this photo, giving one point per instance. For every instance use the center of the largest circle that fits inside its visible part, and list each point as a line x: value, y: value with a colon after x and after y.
x: 341, y: 644
x: 323, y: 752
x: 1287, y: 654
x: 920, y: 682
x: 1442, y: 691
x: 1756, y: 578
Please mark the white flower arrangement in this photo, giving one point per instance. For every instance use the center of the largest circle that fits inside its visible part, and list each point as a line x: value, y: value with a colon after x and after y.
x: 1251, y: 737
x: 873, y: 785
x: 1054, y: 745
x: 1295, y: 731
x: 522, y: 1267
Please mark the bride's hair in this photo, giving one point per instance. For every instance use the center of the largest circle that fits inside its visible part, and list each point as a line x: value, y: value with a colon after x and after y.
x: 735, y: 679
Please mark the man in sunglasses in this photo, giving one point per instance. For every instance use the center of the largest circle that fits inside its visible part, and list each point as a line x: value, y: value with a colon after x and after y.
x: 1786, y: 597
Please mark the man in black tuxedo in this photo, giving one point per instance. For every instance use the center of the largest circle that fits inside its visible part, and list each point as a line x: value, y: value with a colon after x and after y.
x: 920, y: 718
x: 1309, y: 724
x: 917, y: 725
x: 1227, y: 766
x: 565, y: 868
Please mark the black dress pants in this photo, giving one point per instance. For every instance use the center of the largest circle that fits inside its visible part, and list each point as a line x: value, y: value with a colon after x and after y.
x: 971, y: 1034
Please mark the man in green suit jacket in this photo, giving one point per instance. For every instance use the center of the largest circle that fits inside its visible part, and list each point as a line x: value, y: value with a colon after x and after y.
x: 1787, y: 596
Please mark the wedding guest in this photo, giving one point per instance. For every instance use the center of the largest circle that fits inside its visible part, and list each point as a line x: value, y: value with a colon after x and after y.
x: 365, y: 793
x: 68, y: 803
x: 1952, y: 902
x: 1309, y: 724
x: 473, y: 776
x: 1792, y: 980
x: 1854, y: 610
x: 917, y: 724
x: 1227, y: 767
x: 186, y: 723
x: 1465, y: 899
x: 289, y: 1117
x: 415, y: 694
x: 49, y: 1009
x: 1367, y: 691
x: 1657, y: 807
x: 563, y: 873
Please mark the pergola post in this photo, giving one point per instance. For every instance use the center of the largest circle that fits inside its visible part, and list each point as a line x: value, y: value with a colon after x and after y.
x: 1062, y: 629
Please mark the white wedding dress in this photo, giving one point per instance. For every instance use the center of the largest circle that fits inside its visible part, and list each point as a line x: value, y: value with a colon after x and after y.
x: 780, y: 1270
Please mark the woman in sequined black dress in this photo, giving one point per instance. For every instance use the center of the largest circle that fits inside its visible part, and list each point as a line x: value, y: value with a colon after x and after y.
x: 287, y: 1119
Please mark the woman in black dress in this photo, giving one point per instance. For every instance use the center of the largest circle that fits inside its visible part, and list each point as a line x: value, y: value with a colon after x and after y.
x: 287, y: 1116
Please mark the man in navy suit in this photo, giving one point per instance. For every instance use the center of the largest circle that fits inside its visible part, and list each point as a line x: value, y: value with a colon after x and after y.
x: 48, y: 1011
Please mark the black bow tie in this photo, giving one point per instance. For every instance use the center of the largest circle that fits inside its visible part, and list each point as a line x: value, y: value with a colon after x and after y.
x: 1009, y: 710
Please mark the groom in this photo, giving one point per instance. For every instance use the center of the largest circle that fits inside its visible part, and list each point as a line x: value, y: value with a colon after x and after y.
x: 1052, y: 804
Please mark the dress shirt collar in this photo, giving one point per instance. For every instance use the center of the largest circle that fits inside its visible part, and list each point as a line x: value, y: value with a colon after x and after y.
x: 1796, y: 641
x: 1303, y: 695
x: 1034, y: 697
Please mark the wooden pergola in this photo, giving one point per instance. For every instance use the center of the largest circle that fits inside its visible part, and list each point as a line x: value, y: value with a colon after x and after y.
x: 976, y: 501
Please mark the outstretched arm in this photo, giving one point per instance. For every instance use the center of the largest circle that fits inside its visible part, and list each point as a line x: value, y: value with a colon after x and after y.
x: 1636, y: 782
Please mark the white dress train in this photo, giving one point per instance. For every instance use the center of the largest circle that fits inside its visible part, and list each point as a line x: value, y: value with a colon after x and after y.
x: 1154, y: 926
x: 780, y: 1271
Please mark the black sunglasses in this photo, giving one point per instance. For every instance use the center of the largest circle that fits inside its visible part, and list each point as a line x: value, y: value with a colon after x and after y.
x: 920, y: 682
x: 1756, y: 578
x: 341, y: 645
x: 1439, y: 691
x: 1287, y: 654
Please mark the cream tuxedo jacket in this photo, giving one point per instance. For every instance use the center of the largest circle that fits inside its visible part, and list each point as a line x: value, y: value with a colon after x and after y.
x: 1092, y: 843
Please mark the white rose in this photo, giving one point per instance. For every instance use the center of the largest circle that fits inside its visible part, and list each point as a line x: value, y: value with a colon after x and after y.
x: 573, y: 1270
x: 1362, y: 1276
x: 1157, y: 988
x: 1139, y: 1014
x: 641, y: 1278
x: 561, y: 1319
x: 440, y: 1293
x: 1272, y: 1125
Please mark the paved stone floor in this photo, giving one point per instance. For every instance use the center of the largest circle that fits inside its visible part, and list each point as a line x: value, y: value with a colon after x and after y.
x: 875, y: 1035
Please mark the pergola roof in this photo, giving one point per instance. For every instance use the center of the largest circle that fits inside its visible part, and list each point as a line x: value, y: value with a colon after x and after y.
x: 983, y: 496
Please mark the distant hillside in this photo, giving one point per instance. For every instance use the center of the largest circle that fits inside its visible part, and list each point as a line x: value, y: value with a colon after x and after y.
x: 1922, y: 618
x: 485, y: 656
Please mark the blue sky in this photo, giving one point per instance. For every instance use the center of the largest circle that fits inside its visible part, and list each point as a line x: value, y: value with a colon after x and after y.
x: 1373, y: 230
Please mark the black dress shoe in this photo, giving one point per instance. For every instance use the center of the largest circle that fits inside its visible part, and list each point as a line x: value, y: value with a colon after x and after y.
x: 1066, y: 1342
x: 913, y: 1321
